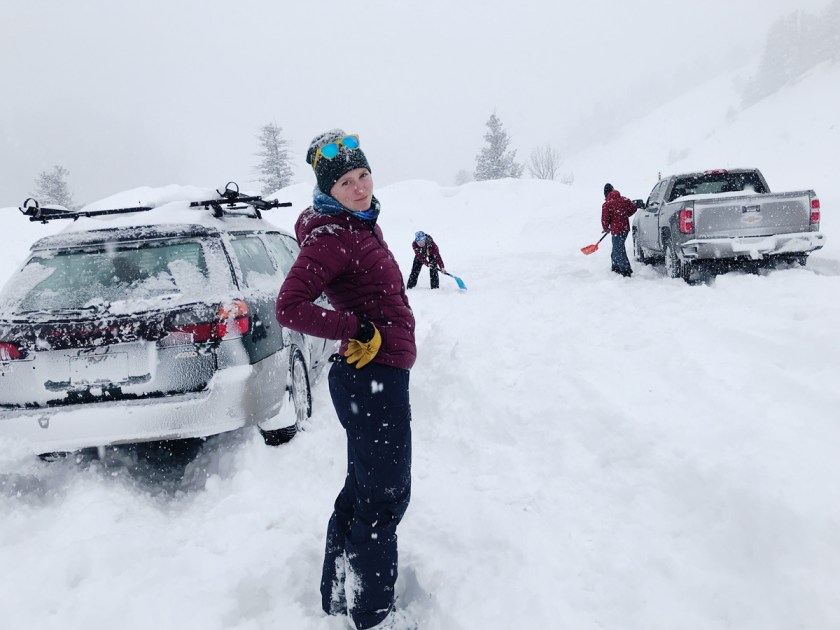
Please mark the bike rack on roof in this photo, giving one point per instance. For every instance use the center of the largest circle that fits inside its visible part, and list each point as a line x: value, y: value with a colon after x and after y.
x: 44, y: 214
x: 232, y: 199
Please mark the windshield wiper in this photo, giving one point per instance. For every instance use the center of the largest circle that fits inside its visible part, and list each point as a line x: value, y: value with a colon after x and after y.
x: 76, y: 310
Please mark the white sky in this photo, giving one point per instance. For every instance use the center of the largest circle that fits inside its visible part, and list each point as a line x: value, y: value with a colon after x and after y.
x: 160, y: 92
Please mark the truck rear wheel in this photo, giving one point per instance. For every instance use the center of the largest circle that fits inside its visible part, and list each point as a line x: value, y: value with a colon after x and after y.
x: 673, y: 268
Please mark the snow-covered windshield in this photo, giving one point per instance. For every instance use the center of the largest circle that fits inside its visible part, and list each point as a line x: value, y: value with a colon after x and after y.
x: 81, y: 279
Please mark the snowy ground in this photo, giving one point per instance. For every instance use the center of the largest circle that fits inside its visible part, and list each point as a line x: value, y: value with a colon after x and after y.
x: 591, y: 452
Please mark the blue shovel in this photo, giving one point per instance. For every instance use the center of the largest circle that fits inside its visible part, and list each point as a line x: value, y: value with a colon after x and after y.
x: 460, y: 282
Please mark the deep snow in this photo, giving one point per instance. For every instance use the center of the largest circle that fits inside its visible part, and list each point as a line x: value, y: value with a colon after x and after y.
x: 589, y: 451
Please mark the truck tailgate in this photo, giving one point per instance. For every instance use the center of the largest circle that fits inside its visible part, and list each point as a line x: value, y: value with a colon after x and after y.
x: 751, y: 215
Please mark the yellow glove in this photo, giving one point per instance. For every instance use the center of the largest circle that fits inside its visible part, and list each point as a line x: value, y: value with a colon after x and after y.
x: 362, y: 352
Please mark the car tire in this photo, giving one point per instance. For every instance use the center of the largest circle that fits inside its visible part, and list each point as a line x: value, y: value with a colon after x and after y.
x: 300, y: 397
x: 673, y: 268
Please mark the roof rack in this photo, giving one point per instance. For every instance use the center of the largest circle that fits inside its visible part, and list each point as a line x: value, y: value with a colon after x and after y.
x: 44, y: 214
x: 231, y: 201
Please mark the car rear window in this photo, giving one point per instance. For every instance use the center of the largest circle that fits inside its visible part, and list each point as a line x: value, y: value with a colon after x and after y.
x: 78, y: 279
x: 715, y: 183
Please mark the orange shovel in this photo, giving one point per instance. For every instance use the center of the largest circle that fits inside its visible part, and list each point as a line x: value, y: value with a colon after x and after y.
x: 591, y: 249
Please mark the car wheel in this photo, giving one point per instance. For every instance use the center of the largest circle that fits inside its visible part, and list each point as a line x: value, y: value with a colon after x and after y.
x: 673, y: 268
x: 300, y: 397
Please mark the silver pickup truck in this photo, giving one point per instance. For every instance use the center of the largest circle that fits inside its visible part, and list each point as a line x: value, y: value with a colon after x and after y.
x: 717, y: 220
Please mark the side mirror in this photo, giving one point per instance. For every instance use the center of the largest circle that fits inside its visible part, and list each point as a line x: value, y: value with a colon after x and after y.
x: 640, y: 203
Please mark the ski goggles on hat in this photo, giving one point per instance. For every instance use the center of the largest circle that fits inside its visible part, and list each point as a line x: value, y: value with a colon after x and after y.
x: 330, y: 150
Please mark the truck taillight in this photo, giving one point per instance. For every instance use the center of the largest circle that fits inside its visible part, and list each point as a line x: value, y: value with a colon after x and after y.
x: 815, y: 210
x: 687, y: 220
x: 9, y: 351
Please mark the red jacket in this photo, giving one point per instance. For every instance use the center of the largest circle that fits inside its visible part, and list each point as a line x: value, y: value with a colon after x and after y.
x: 616, y: 213
x: 348, y: 260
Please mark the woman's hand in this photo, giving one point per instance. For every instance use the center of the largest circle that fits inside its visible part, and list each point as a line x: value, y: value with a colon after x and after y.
x: 361, y: 351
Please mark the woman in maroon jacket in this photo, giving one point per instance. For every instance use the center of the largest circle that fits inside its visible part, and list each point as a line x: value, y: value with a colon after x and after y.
x: 615, y: 218
x: 344, y: 255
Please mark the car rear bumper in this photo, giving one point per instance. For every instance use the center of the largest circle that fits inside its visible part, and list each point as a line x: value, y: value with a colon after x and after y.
x: 752, y: 247
x: 227, y: 404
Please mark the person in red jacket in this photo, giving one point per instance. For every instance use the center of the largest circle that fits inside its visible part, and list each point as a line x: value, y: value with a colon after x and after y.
x: 615, y: 218
x: 426, y: 252
x: 343, y: 254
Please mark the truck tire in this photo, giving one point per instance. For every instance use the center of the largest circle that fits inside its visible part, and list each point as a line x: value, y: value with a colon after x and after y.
x: 685, y: 271
x: 673, y: 268
x: 638, y: 254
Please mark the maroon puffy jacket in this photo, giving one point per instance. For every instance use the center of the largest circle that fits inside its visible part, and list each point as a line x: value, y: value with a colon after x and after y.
x: 348, y: 260
x: 616, y: 213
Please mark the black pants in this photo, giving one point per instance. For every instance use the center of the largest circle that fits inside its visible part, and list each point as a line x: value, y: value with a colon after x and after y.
x: 415, y: 274
x: 372, y: 406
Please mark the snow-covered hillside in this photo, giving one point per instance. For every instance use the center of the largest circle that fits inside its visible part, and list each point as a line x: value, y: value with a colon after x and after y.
x: 793, y: 136
x: 590, y: 451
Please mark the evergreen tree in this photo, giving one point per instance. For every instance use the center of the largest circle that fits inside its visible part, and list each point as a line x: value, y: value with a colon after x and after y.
x: 495, y: 161
x: 51, y: 188
x: 829, y: 37
x: 779, y: 61
x: 275, y: 170
x: 795, y: 43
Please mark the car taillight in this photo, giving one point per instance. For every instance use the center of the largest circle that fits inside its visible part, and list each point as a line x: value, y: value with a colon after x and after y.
x: 815, y: 210
x: 235, y: 318
x: 231, y: 320
x: 687, y: 220
x: 9, y: 351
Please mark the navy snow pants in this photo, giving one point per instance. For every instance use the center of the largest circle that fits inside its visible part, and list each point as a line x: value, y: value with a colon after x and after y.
x: 373, y: 407
x: 620, y: 262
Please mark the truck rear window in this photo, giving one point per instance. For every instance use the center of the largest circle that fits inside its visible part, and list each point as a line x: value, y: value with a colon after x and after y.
x: 714, y: 183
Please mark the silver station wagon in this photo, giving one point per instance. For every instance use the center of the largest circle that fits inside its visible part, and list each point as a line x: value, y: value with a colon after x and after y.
x: 146, y: 324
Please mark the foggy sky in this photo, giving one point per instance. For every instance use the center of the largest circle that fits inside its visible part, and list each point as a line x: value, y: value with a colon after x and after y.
x: 174, y: 92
